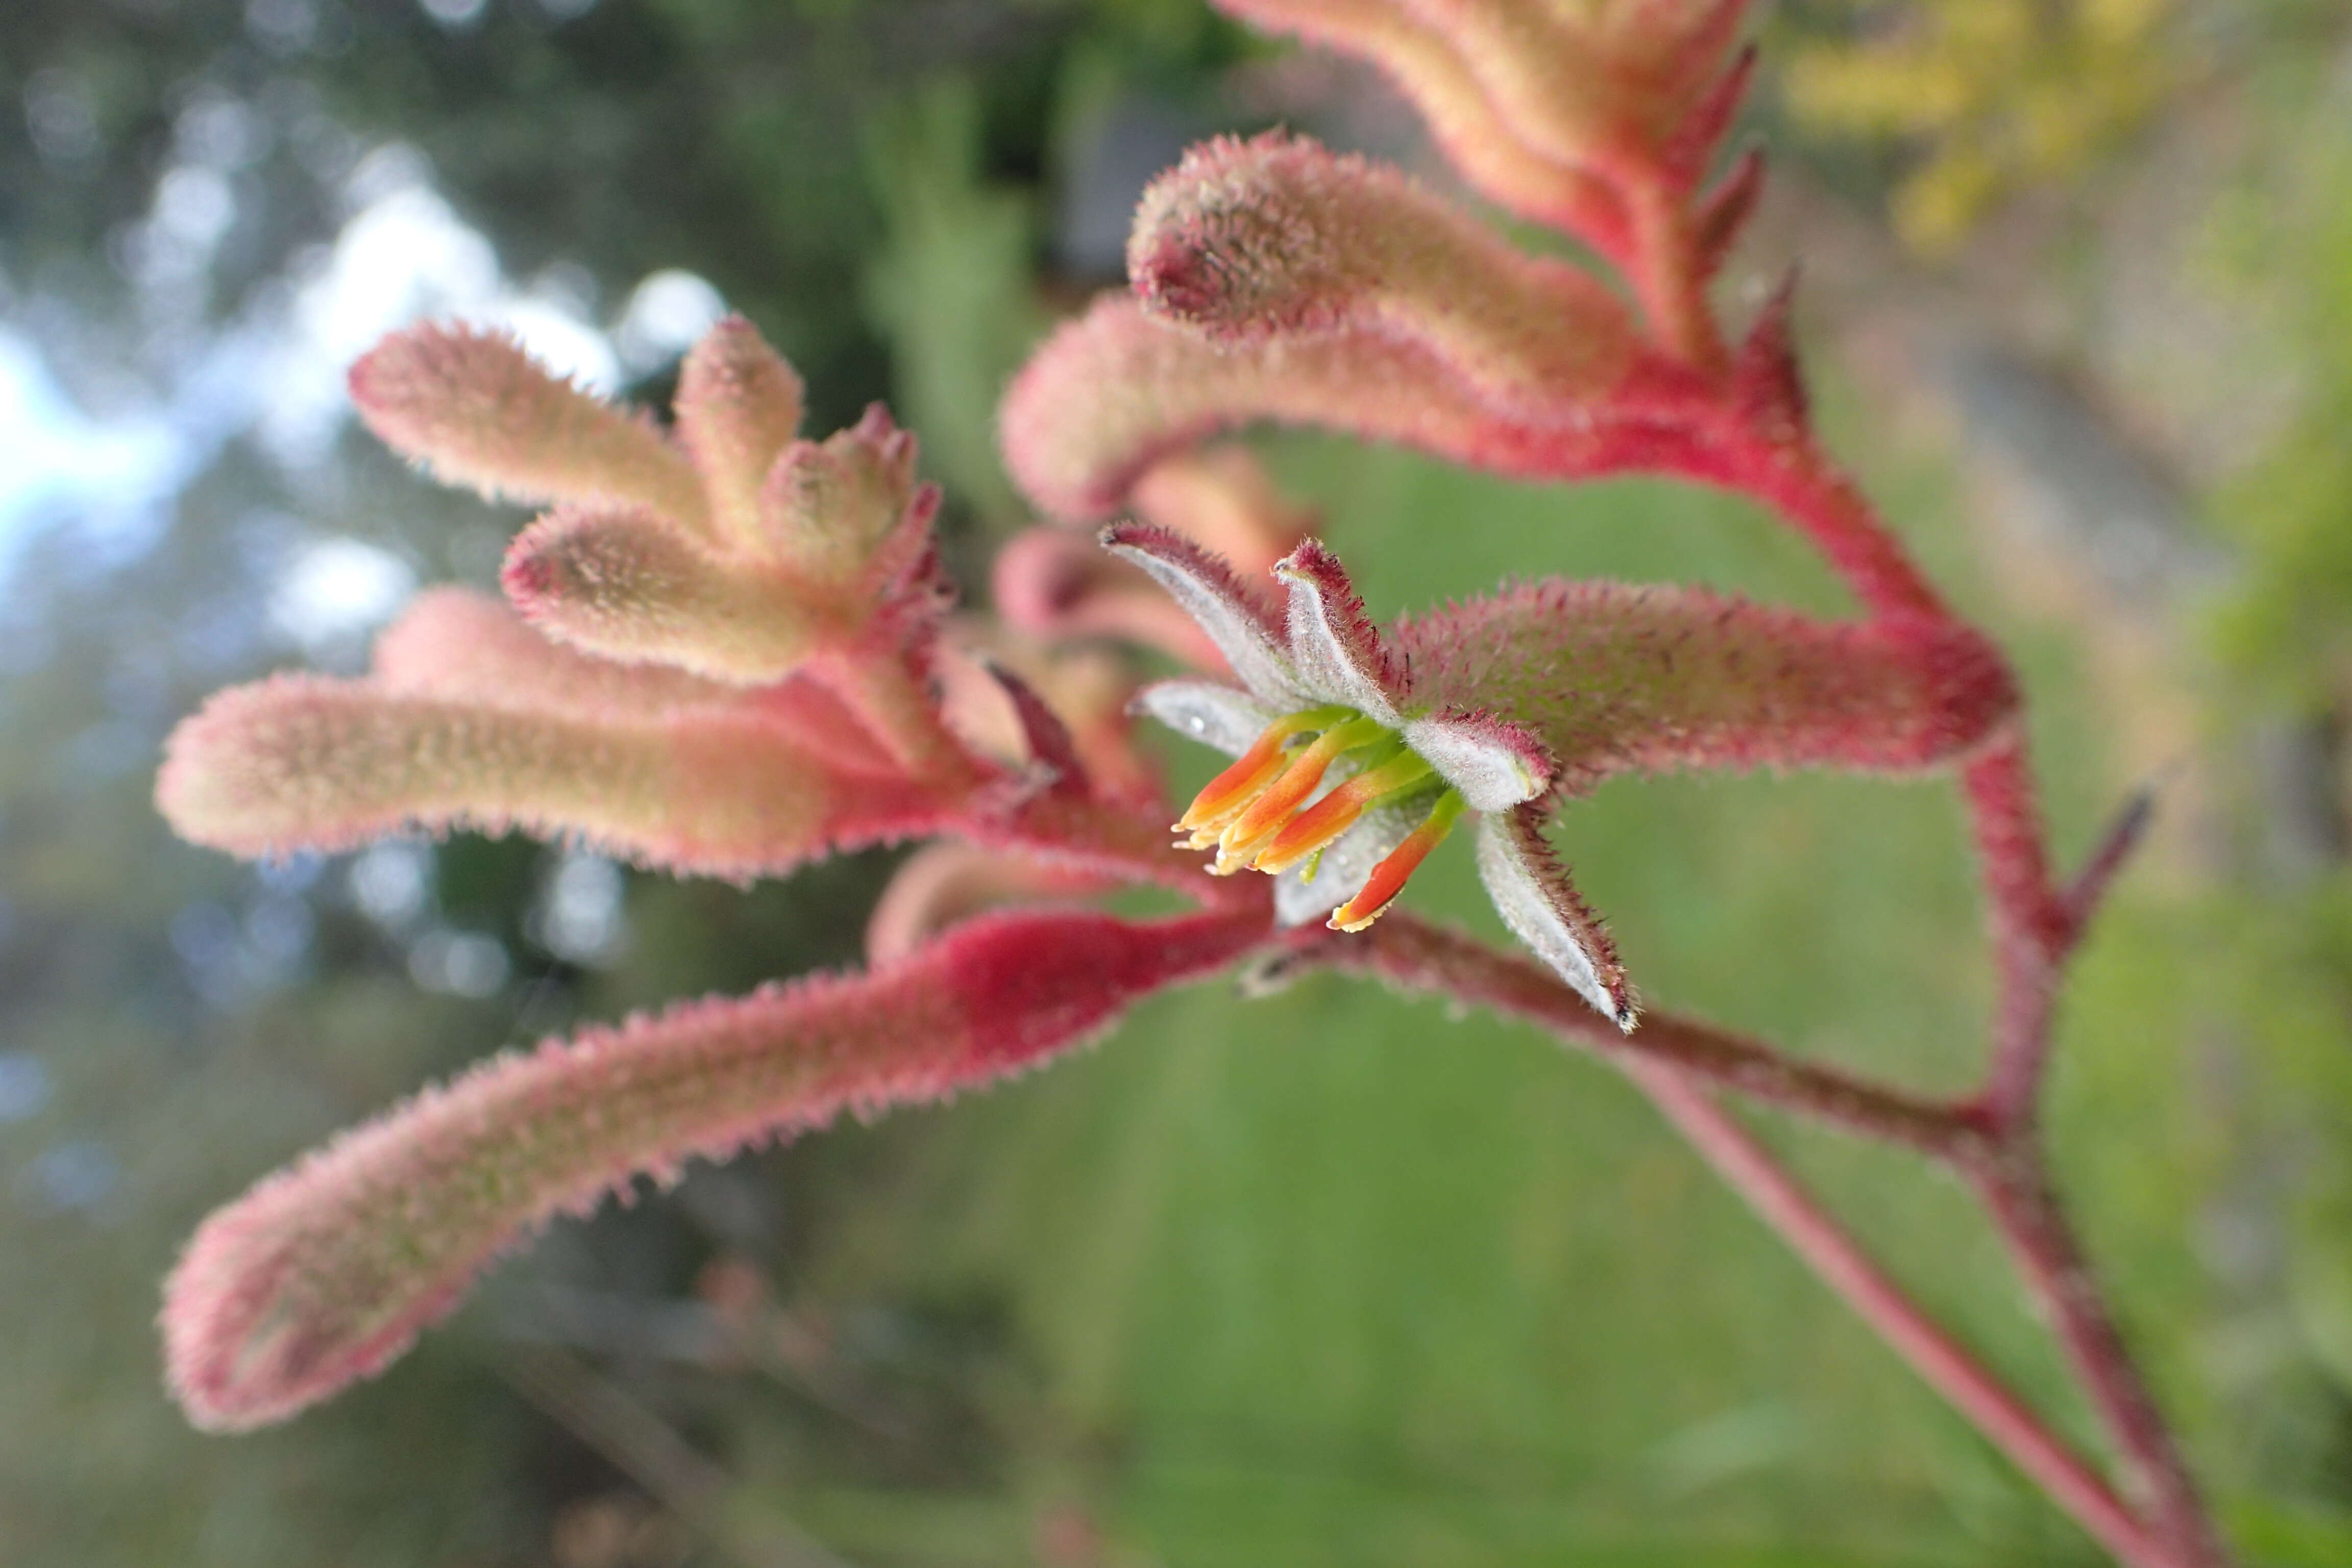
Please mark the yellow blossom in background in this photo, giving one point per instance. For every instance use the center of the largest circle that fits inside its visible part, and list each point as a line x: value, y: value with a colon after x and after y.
x: 1995, y: 94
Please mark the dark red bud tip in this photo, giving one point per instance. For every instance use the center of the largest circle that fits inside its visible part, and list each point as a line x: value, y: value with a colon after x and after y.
x: 1176, y: 281
x: 527, y: 578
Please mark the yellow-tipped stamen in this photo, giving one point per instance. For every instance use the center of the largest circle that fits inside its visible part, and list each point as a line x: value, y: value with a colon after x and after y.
x: 1336, y: 813
x: 1228, y: 795
x: 1265, y: 816
x: 1389, y: 878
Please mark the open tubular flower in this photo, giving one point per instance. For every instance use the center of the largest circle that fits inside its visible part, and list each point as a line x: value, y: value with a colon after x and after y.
x: 1342, y: 784
x: 1356, y: 752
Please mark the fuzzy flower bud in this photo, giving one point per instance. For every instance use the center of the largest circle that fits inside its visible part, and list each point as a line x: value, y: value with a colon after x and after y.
x: 476, y: 410
x: 325, y: 1272
x: 1116, y: 391
x: 628, y: 586
x: 738, y: 405
x: 1528, y: 95
x: 1277, y: 237
x: 302, y: 762
x: 827, y: 509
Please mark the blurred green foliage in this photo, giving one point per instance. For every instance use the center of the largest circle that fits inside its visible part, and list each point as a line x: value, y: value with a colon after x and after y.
x: 2282, y: 239
x: 2282, y: 245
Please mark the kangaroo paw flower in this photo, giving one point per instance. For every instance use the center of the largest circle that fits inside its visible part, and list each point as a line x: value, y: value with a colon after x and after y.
x: 1357, y: 752
x: 627, y: 585
x: 737, y: 552
x: 1428, y: 63
x: 1338, y: 766
x: 1549, y: 109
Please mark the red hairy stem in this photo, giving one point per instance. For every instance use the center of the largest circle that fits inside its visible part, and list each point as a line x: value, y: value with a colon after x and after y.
x: 2033, y: 927
x: 1842, y: 1263
x: 1672, y: 1060
x: 1761, y: 444
x: 2089, y: 888
x: 2015, y: 1189
x: 1420, y: 956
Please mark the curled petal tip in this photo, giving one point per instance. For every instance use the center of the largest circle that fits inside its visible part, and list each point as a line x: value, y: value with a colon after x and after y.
x: 1244, y: 630
x: 1338, y: 652
x: 1495, y: 764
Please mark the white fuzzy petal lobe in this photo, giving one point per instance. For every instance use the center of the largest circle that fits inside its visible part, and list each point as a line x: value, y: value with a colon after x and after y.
x: 1491, y: 775
x: 1322, y: 659
x: 1204, y: 711
x: 1533, y: 911
x: 1260, y: 663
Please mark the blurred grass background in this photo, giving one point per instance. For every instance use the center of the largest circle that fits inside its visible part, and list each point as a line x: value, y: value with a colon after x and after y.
x: 1320, y: 1279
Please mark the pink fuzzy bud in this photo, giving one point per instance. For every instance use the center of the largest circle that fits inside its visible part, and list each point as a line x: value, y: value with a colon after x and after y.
x: 1429, y: 64
x: 1594, y: 85
x: 478, y: 411
x: 830, y: 509
x: 302, y: 762
x: 619, y: 583
x: 1278, y: 237
x: 738, y: 407
x: 325, y: 1272
x: 1611, y: 677
x: 1553, y: 109
x: 1114, y: 392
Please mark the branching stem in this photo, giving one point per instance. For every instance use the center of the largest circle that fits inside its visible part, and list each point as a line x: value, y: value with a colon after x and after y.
x: 1842, y: 1263
x: 1417, y: 956
x: 2033, y: 927
x: 1750, y: 434
x: 1674, y: 1061
x: 2015, y: 1189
